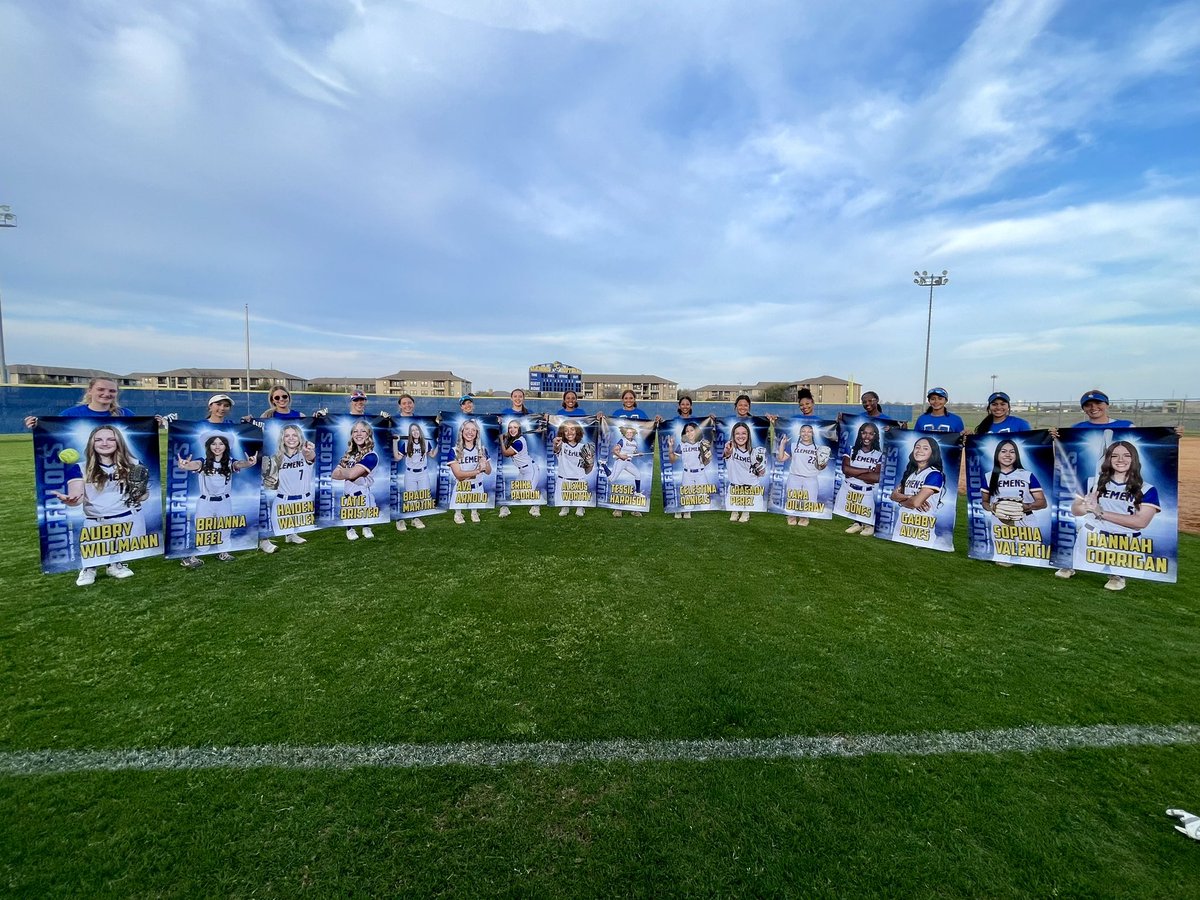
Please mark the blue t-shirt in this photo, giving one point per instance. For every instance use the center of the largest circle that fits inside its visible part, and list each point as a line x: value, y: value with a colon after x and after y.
x: 83, y: 411
x: 290, y: 414
x: 513, y: 412
x: 570, y: 412
x: 947, y: 422
x: 624, y: 413
x: 1115, y: 423
x: 1011, y: 423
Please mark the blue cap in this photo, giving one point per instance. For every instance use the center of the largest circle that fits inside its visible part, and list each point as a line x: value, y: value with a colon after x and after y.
x: 357, y: 395
x: 1093, y: 395
x: 464, y: 398
x: 941, y: 392
x: 999, y: 395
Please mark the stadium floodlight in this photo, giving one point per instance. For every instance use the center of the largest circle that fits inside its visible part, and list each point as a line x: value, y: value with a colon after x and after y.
x: 7, y: 220
x: 924, y: 279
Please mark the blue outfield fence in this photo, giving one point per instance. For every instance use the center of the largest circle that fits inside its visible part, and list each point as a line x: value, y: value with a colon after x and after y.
x: 17, y: 402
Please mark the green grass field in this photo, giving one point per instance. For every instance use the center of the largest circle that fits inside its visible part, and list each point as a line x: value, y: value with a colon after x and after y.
x: 595, y: 629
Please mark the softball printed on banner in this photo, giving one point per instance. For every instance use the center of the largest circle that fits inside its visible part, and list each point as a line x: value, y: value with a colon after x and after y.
x: 1118, y: 501
x: 99, y: 491
x: 745, y: 460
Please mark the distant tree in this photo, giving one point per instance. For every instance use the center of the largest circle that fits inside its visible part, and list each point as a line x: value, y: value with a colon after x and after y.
x: 776, y: 393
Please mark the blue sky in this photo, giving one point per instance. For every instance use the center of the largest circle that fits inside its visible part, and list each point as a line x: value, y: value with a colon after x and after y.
x: 706, y: 191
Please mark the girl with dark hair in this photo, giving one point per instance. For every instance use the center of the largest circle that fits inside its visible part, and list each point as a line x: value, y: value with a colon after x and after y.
x: 861, y: 470
x: 998, y: 420
x: 922, y: 477
x: 216, y: 473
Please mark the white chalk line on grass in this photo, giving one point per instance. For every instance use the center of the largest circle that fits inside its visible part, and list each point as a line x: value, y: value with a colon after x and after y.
x: 554, y: 753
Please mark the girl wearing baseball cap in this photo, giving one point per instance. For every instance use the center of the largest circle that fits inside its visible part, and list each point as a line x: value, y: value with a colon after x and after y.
x: 998, y: 420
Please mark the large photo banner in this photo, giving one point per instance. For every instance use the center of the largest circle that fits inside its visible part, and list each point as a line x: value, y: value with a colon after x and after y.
x: 99, y: 491
x: 918, y: 489
x: 214, y: 488
x: 626, y: 453
x: 688, y: 465
x: 802, y: 485
x: 289, y: 458
x: 744, y: 463
x: 415, y: 475
x: 469, y: 459
x: 1117, y: 501
x: 354, y: 471
x: 861, y: 442
x: 572, y: 471
x: 1010, y: 479
x: 521, y: 477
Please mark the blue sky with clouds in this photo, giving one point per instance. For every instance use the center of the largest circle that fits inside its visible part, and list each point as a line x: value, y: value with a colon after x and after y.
x: 707, y: 191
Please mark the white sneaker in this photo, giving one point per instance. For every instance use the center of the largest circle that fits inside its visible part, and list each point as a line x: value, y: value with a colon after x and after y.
x: 474, y: 515
x: 616, y: 514
x: 368, y: 533
x: 1003, y: 564
x: 745, y: 517
x: 295, y: 539
x: 192, y: 562
x: 225, y: 557
x: 418, y: 524
x: 504, y: 512
x: 679, y: 515
x: 119, y: 570
x: 579, y: 511
x: 564, y: 511
x: 855, y: 528
x: 687, y: 515
x: 458, y: 518
x: 1064, y: 573
x: 1115, y: 583
x: 800, y: 520
x: 351, y: 534
x: 266, y: 546
x: 400, y: 526
x: 791, y: 520
x: 867, y: 530
x: 535, y: 511
x: 636, y: 514
x: 86, y: 577
x: 734, y: 516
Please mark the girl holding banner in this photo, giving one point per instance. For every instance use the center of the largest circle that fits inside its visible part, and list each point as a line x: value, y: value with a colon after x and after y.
x: 575, y: 468
x: 518, y: 448
x: 998, y: 420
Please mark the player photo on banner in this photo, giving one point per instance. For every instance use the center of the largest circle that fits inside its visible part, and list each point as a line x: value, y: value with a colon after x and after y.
x: 1010, y: 478
x: 99, y: 491
x: 918, y: 489
x: 1117, y: 501
x: 688, y: 465
x: 354, y: 470
x: 289, y: 458
x: 521, y: 477
x: 626, y: 454
x: 744, y: 463
x: 571, y: 469
x: 469, y: 459
x: 214, y: 487
x: 415, y: 473
x: 802, y: 484
x: 861, y: 440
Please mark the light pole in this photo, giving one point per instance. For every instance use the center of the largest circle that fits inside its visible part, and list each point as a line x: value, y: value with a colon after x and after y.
x: 7, y: 220
x: 924, y: 279
x: 994, y: 377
